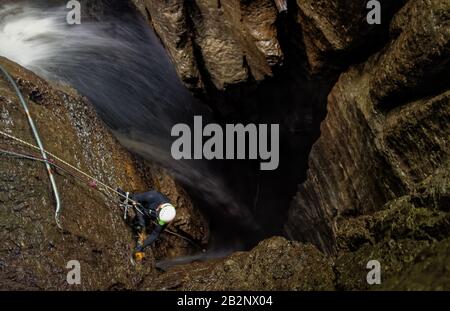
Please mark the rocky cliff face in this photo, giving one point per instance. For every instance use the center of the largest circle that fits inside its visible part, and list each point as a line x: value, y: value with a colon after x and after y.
x: 336, y: 32
x: 377, y: 182
x: 371, y: 183
x: 34, y: 252
x: 217, y: 43
x: 275, y: 264
x: 381, y: 135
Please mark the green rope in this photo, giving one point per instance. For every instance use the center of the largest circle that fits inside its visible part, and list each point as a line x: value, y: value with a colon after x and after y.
x: 38, y: 141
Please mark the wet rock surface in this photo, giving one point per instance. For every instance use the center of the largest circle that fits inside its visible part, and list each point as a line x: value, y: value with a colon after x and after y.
x: 377, y: 184
x: 409, y: 237
x: 377, y: 180
x: 214, y: 42
x: 334, y: 31
x: 221, y: 44
x: 34, y: 252
x: 365, y: 155
x: 274, y: 264
x: 416, y: 63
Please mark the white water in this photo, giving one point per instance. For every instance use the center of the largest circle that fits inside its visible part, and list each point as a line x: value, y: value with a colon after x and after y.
x: 119, y: 64
x: 18, y: 36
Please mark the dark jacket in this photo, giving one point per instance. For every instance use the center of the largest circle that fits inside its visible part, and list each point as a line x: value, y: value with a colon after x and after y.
x: 150, y: 201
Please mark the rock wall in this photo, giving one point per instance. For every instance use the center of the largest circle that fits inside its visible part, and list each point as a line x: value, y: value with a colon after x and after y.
x: 376, y: 145
x: 409, y: 63
x: 34, y: 252
x: 274, y: 264
x: 409, y: 236
x: 377, y: 184
x: 217, y: 43
x: 335, y: 32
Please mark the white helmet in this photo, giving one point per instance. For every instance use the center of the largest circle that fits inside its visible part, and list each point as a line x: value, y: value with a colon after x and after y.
x: 167, y: 213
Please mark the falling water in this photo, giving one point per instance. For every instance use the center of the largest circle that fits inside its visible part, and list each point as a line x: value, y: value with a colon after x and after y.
x: 116, y: 61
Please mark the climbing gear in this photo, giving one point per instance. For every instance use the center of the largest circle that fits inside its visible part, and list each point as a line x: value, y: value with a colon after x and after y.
x: 166, y: 213
x: 52, y: 162
x: 38, y: 141
x: 88, y: 179
x: 126, y: 204
x: 91, y: 180
x: 65, y: 167
x: 139, y: 256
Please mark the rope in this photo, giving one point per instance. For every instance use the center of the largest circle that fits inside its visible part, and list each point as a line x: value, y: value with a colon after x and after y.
x: 126, y: 205
x: 38, y: 141
x: 31, y: 157
x: 184, y: 238
x: 34, y: 158
x: 69, y: 165
x: 49, y: 163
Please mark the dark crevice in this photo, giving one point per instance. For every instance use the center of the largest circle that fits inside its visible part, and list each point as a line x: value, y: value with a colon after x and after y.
x: 303, y: 108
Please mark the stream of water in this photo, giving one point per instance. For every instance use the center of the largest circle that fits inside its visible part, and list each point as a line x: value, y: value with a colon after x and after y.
x: 116, y: 61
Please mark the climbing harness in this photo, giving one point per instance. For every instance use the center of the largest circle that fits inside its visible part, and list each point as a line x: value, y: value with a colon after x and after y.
x: 38, y: 141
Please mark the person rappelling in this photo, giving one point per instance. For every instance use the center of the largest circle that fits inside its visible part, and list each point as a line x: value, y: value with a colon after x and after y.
x: 154, y: 207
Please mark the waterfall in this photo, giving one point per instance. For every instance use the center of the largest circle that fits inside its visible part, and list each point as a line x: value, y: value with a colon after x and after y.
x: 116, y: 61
